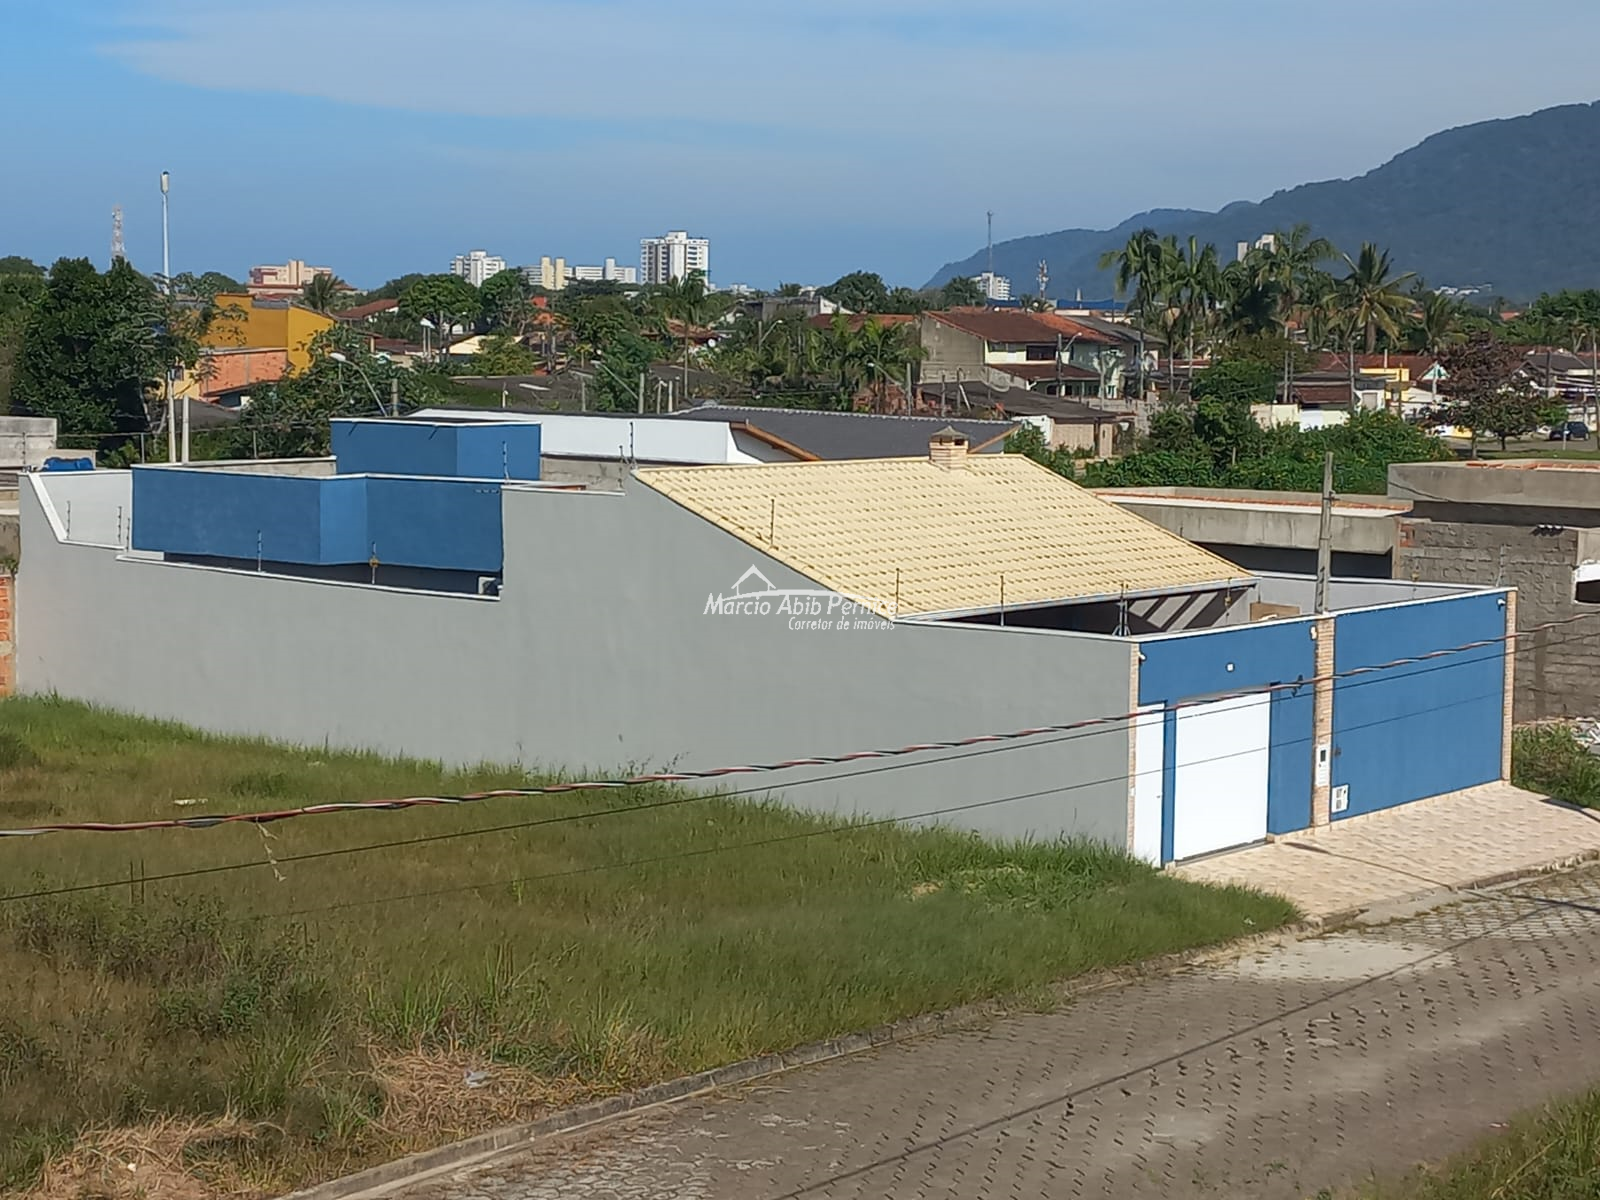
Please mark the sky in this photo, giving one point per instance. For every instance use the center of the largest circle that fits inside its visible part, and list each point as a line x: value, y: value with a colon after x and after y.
x: 805, y: 140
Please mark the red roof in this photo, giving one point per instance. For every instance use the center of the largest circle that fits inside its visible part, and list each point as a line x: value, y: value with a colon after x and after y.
x: 370, y: 309
x: 1015, y: 325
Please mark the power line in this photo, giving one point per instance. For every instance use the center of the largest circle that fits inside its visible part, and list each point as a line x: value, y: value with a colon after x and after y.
x: 285, y: 860
x: 391, y: 805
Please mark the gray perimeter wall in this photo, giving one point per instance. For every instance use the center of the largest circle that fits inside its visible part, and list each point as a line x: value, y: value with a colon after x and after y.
x: 597, y: 655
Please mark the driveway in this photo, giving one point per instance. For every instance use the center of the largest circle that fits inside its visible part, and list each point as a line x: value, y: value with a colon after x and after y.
x: 1460, y: 841
x: 1301, y: 1066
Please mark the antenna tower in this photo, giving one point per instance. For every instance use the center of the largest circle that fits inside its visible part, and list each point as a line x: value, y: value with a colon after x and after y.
x: 118, y: 253
x: 1044, y: 278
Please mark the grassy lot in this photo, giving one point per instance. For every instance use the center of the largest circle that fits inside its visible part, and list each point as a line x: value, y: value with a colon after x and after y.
x: 1552, y: 1155
x: 294, y: 1019
x: 1550, y: 759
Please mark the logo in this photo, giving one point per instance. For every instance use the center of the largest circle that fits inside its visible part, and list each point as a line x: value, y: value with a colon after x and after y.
x: 810, y: 610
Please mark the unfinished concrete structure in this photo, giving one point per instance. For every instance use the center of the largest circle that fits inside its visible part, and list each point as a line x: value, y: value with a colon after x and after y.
x: 1533, y: 525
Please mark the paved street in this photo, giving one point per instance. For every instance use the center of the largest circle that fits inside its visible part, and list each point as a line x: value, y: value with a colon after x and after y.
x: 1294, y: 1068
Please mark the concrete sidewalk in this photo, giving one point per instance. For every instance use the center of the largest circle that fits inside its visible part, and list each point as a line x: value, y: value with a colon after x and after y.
x: 1467, y: 839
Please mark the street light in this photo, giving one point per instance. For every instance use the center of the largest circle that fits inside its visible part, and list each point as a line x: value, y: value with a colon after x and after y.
x: 166, y: 283
x: 426, y: 325
x: 342, y: 360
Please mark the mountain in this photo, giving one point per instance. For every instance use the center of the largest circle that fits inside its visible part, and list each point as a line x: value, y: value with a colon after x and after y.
x: 1512, y: 206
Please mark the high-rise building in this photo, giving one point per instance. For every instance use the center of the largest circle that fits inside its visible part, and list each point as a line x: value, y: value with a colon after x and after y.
x: 609, y: 272
x: 551, y: 274
x: 995, y: 287
x: 477, y: 266
x: 284, y: 281
x: 663, y: 259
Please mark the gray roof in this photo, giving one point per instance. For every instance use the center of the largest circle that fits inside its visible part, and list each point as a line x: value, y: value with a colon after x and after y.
x: 842, y: 435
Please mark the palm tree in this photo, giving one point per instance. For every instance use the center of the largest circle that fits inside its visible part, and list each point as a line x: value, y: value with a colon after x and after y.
x: 1375, y: 298
x: 1436, y: 323
x: 325, y: 293
x: 1195, y: 281
x: 888, y: 351
x: 687, y: 302
x: 1138, y: 268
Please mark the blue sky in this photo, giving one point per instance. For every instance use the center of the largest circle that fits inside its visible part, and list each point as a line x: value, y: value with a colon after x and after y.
x: 806, y: 140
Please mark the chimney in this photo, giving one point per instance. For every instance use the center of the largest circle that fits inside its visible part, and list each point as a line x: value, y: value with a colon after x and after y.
x: 948, y: 449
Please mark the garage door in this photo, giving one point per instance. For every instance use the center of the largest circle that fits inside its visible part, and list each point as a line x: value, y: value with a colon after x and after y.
x: 1220, y: 775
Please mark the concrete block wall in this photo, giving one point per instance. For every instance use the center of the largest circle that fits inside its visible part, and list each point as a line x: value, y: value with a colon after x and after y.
x: 1557, y: 671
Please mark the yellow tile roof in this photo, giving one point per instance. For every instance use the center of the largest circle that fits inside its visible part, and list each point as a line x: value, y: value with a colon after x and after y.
x: 943, y: 537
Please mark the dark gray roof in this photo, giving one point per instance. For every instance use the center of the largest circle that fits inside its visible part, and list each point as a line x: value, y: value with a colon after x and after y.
x: 841, y: 435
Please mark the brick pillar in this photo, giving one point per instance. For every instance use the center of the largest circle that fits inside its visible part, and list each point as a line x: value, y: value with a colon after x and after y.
x: 1322, y: 722
x: 8, y: 646
x: 1511, y: 684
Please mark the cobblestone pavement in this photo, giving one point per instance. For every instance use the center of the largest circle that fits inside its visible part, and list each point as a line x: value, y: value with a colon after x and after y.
x: 1296, y: 1067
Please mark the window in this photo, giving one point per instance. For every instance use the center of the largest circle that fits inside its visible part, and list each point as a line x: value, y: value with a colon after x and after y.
x: 1586, y: 584
x: 1041, y: 352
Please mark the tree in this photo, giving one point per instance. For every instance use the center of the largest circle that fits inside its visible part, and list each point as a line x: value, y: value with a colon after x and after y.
x: 289, y: 419
x: 886, y: 350
x: 324, y: 293
x: 1435, y: 323
x: 1484, y: 392
x: 859, y: 291
x: 507, y: 306
x: 1373, y: 298
x: 686, y: 302
x: 502, y: 354
x: 95, y: 347
x: 1028, y: 441
x: 1223, y: 395
x: 445, y: 300
x: 395, y: 288
x: 962, y: 292
x: 206, y: 287
x: 1268, y: 347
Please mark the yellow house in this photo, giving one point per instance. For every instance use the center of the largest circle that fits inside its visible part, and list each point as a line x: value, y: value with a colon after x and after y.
x: 248, y: 322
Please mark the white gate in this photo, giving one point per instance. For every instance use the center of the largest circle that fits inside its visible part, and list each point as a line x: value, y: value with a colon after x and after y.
x: 1220, y: 775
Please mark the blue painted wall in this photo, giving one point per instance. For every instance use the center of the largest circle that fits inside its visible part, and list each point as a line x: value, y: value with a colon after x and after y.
x: 443, y: 523
x: 476, y: 450
x: 1404, y: 733
x: 446, y: 524
x: 1194, y: 666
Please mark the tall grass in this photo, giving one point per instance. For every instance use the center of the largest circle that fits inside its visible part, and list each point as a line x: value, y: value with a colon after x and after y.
x: 1550, y: 759
x: 1550, y: 1155
x: 200, y: 996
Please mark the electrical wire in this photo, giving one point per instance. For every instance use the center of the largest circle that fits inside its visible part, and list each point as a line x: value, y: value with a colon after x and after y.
x: 392, y: 805
x: 277, y: 861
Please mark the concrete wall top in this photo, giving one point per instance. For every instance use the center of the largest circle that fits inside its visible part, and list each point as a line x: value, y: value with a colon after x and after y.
x: 1542, y: 483
x: 1278, y: 519
x: 457, y: 449
x: 609, y: 436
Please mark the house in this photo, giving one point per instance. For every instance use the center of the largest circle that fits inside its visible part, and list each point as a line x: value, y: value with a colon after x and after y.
x: 227, y: 374
x: 246, y: 322
x: 1043, y: 352
x: 426, y: 595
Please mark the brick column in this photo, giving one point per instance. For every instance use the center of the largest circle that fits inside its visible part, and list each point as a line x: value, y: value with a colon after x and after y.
x: 1509, y: 700
x: 1322, y: 721
x: 8, y: 647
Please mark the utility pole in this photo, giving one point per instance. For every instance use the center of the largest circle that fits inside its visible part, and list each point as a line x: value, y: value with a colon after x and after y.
x: 988, y: 291
x: 641, y: 391
x: 166, y: 282
x: 906, y: 406
x: 1325, y: 535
